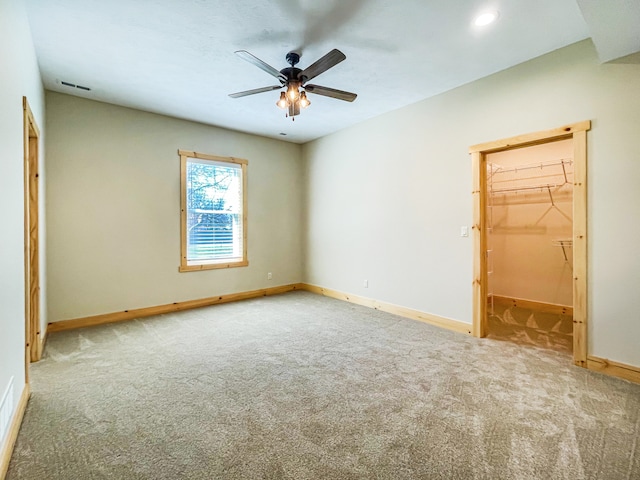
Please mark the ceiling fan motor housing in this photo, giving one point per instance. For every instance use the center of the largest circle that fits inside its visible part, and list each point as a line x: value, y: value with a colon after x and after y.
x: 290, y: 73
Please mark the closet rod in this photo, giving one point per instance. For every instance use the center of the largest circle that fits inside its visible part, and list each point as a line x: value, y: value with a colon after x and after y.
x: 530, y: 166
x: 547, y: 186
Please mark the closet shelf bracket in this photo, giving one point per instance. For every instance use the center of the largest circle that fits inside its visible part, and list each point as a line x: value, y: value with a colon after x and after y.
x: 564, y: 244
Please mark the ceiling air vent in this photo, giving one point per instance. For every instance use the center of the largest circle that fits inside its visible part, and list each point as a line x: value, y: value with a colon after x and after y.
x: 73, y: 85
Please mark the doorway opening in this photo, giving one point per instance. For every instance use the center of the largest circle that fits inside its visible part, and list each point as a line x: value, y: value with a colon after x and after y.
x: 529, y: 225
x: 530, y: 242
x: 34, y: 338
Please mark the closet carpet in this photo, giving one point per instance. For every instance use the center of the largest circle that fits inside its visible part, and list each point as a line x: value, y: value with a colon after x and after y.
x: 299, y: 386
x: 531, y: 327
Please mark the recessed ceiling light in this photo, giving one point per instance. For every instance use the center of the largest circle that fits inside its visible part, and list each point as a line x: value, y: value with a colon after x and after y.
x: 486, y: 18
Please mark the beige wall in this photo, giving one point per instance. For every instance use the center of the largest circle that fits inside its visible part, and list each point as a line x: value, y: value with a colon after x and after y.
x: 385, y: 199
x: 524, y: 261
x: 19, y: 76
x: 113, y: 209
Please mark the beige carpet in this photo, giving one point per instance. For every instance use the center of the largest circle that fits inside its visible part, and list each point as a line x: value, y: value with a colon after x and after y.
x: 299, y: 386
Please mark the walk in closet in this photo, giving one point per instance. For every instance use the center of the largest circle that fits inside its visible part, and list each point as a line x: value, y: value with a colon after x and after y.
x: 529, y: 244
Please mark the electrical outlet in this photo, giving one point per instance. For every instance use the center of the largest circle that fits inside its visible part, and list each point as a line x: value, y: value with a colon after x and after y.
x: 269, y: 276
x: 366, y: 284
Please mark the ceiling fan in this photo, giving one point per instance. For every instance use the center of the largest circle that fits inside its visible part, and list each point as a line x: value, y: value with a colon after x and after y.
x: 294, y: 79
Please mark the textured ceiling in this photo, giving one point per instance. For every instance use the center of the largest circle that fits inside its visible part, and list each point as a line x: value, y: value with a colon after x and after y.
x: 175, y: 57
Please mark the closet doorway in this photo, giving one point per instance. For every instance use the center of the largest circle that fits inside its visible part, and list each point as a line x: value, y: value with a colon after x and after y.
x: 530, y: 239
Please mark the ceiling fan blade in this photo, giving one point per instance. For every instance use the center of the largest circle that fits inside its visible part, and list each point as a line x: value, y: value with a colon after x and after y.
x: 254, y: 91
x: 323, y: 64
x: 243, y: 54
x: 331, y: 92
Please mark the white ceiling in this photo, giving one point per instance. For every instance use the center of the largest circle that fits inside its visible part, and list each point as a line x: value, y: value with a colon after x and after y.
x: 175, y: 57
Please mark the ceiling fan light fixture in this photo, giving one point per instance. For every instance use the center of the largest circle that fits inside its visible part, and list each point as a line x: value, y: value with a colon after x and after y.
x: 292, y: 91
x: 294, y: 109
x: 304, y: 101
x: 282, y: 103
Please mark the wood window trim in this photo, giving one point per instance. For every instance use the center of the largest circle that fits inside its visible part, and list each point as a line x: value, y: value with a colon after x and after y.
x: 577, y: 132
x: 184, y: 266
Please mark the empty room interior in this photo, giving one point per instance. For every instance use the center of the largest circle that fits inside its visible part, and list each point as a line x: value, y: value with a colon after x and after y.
x: 342, y: 239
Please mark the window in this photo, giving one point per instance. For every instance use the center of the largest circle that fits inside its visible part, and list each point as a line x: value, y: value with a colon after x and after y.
x: 213, y: 212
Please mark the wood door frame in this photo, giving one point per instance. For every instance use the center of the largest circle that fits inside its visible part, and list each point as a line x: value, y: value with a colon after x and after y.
x: 33, y: 337
x: 577, y: 132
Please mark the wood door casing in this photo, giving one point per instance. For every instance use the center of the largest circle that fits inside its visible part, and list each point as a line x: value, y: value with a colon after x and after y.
x: 578, y: 133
